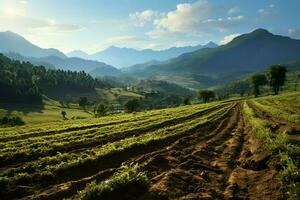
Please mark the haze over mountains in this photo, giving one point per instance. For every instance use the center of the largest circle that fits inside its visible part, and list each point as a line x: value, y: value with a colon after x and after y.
x: 126, y: 57
x: 202, y: 66
x: 18, y: 48
x: 12, y: 42
x: 247, y: 53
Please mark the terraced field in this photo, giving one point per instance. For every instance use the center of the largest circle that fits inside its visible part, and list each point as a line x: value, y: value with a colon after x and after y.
x: 221, y: 150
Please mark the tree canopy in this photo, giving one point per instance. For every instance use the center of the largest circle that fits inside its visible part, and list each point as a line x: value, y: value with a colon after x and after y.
x: 24, y: 82
x: 206, y: 95
x: 132, y: 105
x: 276, y: 75
x: 258, y: 80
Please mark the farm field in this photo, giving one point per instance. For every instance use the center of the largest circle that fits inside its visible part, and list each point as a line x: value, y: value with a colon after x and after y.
x: 49, y: 111
x: 238, y: 149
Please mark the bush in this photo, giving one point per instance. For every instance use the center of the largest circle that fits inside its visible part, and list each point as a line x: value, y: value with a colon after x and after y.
x: 11, y: 121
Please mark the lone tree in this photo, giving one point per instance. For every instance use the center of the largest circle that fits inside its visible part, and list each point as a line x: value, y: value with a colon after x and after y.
x: 206, y: 95
x: 101, y: 110
x: 63, y: 113
x: 132, y: 105
x: 258, y: 80
x: 297, y: 79
x: 276, y: 75
x: 83, y: 101
x: 187, y: 101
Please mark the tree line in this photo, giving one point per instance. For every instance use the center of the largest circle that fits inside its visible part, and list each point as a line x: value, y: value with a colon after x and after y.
x: 274, y: 77
x: 26, y: 83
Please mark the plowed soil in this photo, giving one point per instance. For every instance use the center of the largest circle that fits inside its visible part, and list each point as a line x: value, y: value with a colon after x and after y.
x: 220, y: 160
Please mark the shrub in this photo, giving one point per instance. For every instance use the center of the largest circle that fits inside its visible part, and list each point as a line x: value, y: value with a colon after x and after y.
x: 11, y: 121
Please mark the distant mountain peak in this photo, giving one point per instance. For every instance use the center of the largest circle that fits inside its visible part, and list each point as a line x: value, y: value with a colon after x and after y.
x: 260, y: 32
x: 210, y: 44
x: 13, y: 42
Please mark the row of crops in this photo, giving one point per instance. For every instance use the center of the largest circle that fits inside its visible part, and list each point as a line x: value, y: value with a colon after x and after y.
x: 48, y: 154
x: 279, y: 129
x: 285, y: 106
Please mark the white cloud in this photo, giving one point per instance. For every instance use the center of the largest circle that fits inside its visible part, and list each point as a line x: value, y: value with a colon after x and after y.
x: 192, y: 18
x: 185, y: 17
x: 143, y: 18
x: 121, y: 39
x: 23, y: 23
x: 233, y: 10
x: 229, y: 38
x: 23, y: 1
x: 294, y: 32
x: 222, y: 24
x: 261, y: 10
x: 268, y: 11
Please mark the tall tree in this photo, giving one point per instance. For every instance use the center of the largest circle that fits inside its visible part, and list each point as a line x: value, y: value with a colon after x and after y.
x: 132, y: 105
x: 297, y: 79
x: 101, y: 110
x: 206, y: 95
x: 83, y: 101
x: 276, y: 75
x: 258, y: 80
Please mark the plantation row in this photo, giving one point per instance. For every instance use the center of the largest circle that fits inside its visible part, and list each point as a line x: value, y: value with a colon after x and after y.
x: 275, y: 122
x: 71, y: 125
x: 37, y: 159
x: 52, y: 143
x: 257, y: 114
x: 285, y: 106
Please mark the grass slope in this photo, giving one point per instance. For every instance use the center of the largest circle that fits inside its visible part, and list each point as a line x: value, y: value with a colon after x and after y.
x: 49, y: 111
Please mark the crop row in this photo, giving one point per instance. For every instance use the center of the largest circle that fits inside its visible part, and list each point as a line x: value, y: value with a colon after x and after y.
x: 73, y: 125
x: 50, y: 145
x: 278, y: 143
x: 52, y: 166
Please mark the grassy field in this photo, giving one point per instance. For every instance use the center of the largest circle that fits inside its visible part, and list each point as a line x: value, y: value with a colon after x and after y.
x: 50, y: 111
x: 116, y: 95
x: 214, y: 150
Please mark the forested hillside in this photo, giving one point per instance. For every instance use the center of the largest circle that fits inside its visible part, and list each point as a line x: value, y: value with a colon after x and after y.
x: 247, y: 53
x: 24, y: 82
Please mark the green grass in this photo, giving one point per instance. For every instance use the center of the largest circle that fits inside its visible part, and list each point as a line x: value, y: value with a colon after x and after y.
x: 43, y: 149
x: 50, y: 111
x: 285, y: 106
x: 116, y: 95
x: 278, y: 144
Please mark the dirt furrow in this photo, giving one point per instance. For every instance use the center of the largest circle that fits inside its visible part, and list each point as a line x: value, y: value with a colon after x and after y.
x: 187, y: 167
x: 82, y: 146
x: 278, y: 125
x: 114, y: 161
x: 70, y: 129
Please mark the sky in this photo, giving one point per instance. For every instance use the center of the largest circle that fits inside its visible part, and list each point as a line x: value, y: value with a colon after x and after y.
x: 93, y: 25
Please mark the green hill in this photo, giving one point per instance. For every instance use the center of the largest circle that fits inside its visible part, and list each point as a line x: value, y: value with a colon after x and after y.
x: 247, y: 53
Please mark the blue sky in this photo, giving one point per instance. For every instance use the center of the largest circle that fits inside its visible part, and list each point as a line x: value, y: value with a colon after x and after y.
x: 93, y: 25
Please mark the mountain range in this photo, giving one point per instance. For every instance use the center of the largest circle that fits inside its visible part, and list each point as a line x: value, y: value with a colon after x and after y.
x: 18, y: 48
x: 247, y: 53
x: 125, y: 57
x: 204, y: 66
x: 12, y: 42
